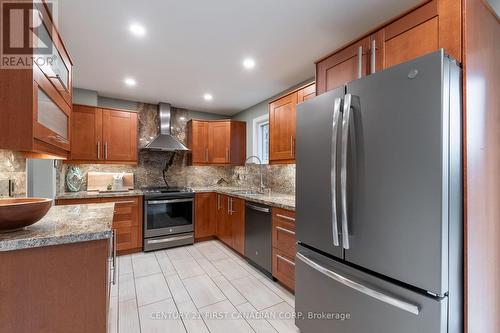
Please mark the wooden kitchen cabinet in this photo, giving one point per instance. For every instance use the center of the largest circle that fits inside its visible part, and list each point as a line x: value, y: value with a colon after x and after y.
x: 103, y: 135
x: 197, y: 133
x: 205, y: 215
x: 58, y: 288
x: 217, y: 142
x: 343, y: 66
x: 86, y: 134
x: 306, y: 93
x: 127, y: 220
x: 237, y: 222
x: 223, y: 226
x: 433, y: 25
x: 119, y: 134
x: 35, y: 115
x: 282, y: 124
x: 230, y: 225
x: 284, y: 246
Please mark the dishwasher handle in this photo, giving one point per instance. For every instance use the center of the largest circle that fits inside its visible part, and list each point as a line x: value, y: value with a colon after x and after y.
x: 258, y: 208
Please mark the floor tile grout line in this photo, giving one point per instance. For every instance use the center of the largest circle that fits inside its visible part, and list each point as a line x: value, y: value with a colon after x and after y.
x: 136, y: 299
x: 187, y: 292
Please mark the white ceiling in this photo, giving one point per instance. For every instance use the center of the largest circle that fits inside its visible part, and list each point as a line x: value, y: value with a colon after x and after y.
x: 195, y: 47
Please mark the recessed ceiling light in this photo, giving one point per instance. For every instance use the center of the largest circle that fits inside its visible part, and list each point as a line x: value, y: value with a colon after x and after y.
x: 130, y: 82
x: 208, y: 97
x: 137, y: 30
x: 249, y: 63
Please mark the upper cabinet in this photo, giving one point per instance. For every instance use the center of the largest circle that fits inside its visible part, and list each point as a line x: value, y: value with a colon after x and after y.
x: 217, y: 142
x: 103, y: 135
x: 282, y: 124
x: 433, y: 25
x: 35, y: 100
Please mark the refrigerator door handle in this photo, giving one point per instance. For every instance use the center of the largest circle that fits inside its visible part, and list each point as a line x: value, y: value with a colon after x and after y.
x: 346, y: 118
x: 401, y: 304
x: 333, y: 176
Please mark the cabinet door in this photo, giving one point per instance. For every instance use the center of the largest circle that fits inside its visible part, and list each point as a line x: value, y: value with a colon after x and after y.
x: 199, y: 141
x: 220, y: 209
x: 413, y: 35
x: 205, y: 210
x: 282, y: 128
x: 306, y: 93
x: 237, y: 217
x: 119, y: 131
x: 343, y: 66
x: 86, y: 133
x: 219, y: 142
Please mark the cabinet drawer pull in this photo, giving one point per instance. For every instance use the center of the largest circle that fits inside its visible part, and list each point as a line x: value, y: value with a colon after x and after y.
x: 105, y: 150
x: 285, y: 230
x: 98, y: 150
x: 285, y: 259
x: 124, y: 202
x: 285, y: 217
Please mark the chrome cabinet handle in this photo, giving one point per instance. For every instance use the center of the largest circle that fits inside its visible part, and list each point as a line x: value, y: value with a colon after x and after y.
x: 401, y: 304
x: 285, y: 217
x: 125, y: 202
x: 373, y: 57
x: 291, y: 146
x: 57, y: 77
x: 360, y: 62
x: 285, y: 230
x: 333, y: 174
x: 343, y: 169
x: 105, y: 150
x: 59, y: 138
x: 98, y: 150
x: 231, y: 211
x: 286, y: 259
x: 228, y: 206
x: 218, y: 201
x: 113, y: 244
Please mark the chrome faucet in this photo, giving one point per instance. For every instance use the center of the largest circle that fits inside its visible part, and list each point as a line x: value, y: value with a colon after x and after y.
x: 261, y: 187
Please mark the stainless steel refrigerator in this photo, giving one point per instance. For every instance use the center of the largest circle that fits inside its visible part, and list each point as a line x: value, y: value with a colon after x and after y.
x: 379, y: 203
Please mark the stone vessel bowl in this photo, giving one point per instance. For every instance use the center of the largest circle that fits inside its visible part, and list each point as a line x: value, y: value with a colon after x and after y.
x: 18, y: 213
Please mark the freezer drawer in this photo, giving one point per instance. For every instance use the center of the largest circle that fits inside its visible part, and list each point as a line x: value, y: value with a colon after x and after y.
x: 360, y: 303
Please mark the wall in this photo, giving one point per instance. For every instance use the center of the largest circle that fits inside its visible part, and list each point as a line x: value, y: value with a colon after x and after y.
x: 12, y: 166
x: 260, y: 109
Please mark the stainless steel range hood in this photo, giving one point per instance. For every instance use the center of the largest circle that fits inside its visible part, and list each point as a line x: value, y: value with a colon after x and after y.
x: 165, y: 141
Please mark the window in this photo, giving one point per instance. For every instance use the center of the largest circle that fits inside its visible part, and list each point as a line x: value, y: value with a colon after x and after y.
x: 261, y: 138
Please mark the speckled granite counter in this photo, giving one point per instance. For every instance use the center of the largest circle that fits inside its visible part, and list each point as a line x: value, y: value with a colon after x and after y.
x: 285, y: 201
x: 95, y: 194
x: 63, y: 225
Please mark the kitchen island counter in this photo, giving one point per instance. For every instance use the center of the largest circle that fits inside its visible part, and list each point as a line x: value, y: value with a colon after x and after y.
x: 63, y: 225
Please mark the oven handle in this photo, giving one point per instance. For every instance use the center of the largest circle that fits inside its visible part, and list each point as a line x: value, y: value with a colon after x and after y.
x: 158, y: 202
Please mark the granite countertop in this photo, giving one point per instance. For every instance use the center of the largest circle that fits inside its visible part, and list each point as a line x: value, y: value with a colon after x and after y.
x: 96, y: 194
x: 285, y: 201
x: 63, y: 225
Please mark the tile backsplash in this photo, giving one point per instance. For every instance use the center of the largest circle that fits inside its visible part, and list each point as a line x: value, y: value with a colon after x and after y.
x: 12, y: 166
x: 148, y: 171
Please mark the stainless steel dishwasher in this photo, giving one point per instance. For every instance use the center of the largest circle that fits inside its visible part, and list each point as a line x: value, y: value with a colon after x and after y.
x: 258, y: 238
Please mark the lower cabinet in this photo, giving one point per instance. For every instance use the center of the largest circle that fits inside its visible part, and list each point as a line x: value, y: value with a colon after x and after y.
x: 127, y: 220
x: 204, y: 215
x: 284, y: 247
x: 230, y: 225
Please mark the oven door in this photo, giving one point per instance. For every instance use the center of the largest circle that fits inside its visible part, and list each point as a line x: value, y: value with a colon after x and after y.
x: 168, y: 216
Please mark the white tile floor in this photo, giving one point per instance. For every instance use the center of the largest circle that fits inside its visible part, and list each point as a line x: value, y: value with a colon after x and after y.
x: 200, y: 288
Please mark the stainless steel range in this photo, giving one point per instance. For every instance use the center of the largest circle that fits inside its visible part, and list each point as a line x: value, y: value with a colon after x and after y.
x: 168, y: 217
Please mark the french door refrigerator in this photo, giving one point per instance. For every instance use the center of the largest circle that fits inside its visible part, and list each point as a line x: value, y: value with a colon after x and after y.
x: 379, y: 203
